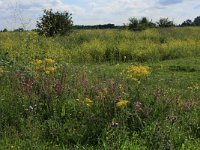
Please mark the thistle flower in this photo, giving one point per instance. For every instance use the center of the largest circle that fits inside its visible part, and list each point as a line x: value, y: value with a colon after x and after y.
x: 49, y: 61
x: 122, y: 103
x: 171, y: 118
x: 138, y: 106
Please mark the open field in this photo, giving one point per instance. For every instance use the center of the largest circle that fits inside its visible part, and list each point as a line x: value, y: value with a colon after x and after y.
x: 101, y: 89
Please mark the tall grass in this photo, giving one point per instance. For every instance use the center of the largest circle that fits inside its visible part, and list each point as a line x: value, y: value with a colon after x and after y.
x: 88, y: 46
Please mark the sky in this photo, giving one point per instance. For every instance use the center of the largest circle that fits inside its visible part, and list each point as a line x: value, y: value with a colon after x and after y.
x: 25, y: 13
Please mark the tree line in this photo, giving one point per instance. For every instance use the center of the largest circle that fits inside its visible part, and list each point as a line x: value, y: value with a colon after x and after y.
x: 100, y: 26
x: 189, y: 22
x: 61, y: 23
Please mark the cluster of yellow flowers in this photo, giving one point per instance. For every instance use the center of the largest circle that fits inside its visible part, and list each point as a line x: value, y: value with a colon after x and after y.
x: 88, y: 102
x: 136, y: 72
x: 49, y: 61
x: 38, y: 62
x: 46, y: 67
x: 122, y: 103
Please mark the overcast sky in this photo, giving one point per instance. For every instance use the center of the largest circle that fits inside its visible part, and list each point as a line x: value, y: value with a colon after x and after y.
x: 24, y: 13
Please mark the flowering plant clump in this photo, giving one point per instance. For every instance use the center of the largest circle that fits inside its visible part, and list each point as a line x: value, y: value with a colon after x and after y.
x: 49, y: 70
x: 38, y: 62
x: 122, y: 103
x: 44, y: 66
x: 49, y: 61
x: 136, y: 72
x: 88, y: 102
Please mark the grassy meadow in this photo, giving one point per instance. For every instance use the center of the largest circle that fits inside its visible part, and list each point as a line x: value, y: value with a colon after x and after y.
x: 101, y: 89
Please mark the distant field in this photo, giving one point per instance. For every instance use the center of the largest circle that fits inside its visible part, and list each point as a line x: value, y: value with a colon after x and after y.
x: 104, y: 45
x: 101, y: 89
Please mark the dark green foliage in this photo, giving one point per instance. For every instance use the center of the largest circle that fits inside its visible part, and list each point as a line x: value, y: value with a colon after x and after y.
x: 188, y: 22
x: 139, y: 25
x: 19, y: 30
x: 103, y: 26
x: 5, y: 30
x: 165, y: 22
x: 197, y: 21
x: 133, y: 25
x: 58, y: 23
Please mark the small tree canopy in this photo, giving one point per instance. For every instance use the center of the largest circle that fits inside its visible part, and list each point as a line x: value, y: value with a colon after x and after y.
x: 138, y: 25
x: 19, y: 30
x: 188, y: 22
x: 197, y: 21
x: 58, y: 23
x: 165, y: 22
x: 5, y: 30
x: 133, y: 24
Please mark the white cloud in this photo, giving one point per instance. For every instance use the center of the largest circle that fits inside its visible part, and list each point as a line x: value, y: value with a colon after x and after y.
x: 18, y: 13
x: 118, y: 11
x: 13, y: 13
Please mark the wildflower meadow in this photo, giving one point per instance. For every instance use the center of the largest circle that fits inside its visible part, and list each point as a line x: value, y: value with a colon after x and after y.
x: 101, y: 89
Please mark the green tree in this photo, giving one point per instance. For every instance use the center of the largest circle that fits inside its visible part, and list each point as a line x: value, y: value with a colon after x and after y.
x: 165, y: 22
x: 138, y: 25
x: 197, y: 21
x: 144, y: 22
x: 152, y: 24
x: 5, y: 30
x: 133, y: 24
x: 58, y: 23
x: 188, y: 22
x: 19, y: 30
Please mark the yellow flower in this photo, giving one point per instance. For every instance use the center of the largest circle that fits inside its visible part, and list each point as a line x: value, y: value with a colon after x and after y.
x: 38, y: 62
x: 49, y: 61
x: 135, y: 72
x: 122, y: 103
x: 49, y: 70
x: 1, y: 70
x: 88, y: 102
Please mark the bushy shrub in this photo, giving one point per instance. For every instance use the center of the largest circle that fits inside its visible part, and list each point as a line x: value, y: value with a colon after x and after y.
x: 197, y: 21
x: 139, y: 25
x: 58, y: 23
x: 165, y: 22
